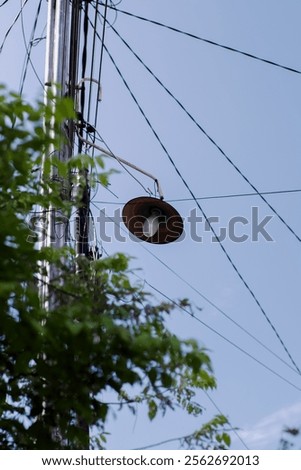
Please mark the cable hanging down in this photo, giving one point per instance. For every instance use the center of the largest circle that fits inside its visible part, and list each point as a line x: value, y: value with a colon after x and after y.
x: 204, y: 215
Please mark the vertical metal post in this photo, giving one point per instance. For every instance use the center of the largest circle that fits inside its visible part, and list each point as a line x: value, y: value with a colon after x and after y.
x: 61, y: 77
x: 56, y: 81
x: 56, y: 222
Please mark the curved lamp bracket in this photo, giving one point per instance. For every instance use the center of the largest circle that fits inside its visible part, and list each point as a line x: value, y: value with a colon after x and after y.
x: 125, y: 162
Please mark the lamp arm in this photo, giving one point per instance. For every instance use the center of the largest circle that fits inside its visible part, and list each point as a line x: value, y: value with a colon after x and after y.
x: 125, y: 162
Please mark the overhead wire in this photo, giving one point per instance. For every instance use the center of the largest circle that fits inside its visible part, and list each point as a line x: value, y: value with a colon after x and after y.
x: 94, y: 28
x: 206, y: 393
x: 260, y: 194
x: 210, y: 302
x: 28, y: 58
x: 225, y: 196
x: 101, y: 55
x: 83, y: 70
x: 231, y: 196
x: 208, y: 41
x: 221, y: 151
x: 255, y: 358
x: 197, y: 291
x: 241, y: 277
x: 167, y: 441
x: 220, y: 412
x: 102, y: 140
x: 218, y: 309
x: 176, y: 439
x: 192, y: 315
x: 29, y: 49
x: 12, y: 25
x: 222, y: 196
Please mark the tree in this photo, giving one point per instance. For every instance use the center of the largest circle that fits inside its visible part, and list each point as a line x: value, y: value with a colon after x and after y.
x: 55, y: 366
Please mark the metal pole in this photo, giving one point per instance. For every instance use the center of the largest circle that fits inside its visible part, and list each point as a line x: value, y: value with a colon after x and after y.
x: 61, y: 77
x: 56, y: 222
x: 56, y: 81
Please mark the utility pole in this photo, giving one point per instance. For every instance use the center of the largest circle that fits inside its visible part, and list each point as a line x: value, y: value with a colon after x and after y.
x: 148, y: 218
x: 61, y: 77
x: 56, y: 73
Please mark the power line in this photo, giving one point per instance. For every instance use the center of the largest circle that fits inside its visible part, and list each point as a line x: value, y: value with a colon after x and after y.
x: 219, y: 411
x: 222, y: 196
x: 29, y: 49
x: 92, y: 60
x: 180, y: 104
x: 101, y: 54
x: 258, y: 303
x: 12, y: 25
x: 216, y: 307
x: 208, y: 41
x: 3, y: 3
x: 203, y: 297
x: 221, y: 335
x: 225, y: 196
x: 174, y: 439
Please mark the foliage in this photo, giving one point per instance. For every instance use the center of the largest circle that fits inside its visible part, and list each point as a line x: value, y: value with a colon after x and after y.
x: 100, y: 336
x: 289, y: 435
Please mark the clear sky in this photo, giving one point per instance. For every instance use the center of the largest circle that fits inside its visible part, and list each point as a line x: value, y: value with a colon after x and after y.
x: 251, y: 110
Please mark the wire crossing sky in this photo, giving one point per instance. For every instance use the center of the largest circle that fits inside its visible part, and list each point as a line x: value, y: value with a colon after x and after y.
x: 208, y: 41
x: 236, y: 79
x: 238, y: 272
x: 260, y: 194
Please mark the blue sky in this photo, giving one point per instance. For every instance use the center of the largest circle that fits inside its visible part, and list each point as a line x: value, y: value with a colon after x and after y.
x: 252, y: 111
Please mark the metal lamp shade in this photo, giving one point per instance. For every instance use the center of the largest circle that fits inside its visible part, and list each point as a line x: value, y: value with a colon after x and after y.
x: 138, y: 210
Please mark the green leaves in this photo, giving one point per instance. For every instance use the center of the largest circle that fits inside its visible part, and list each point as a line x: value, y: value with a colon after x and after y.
x: 104, y: 333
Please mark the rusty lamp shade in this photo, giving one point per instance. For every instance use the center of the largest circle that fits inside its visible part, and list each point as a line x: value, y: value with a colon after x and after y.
x: 152, y: 220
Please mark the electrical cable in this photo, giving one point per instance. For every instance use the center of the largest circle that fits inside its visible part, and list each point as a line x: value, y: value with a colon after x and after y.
x: 168, y: 441
x: 208, y: 41
x: 220, y: 412
x: 258, y: 303
x: 205, y: 391
x: 230, y: 196
x: 223, y: 196
x: 29, y: 49
x: 101, y: 55
x: 84, y: 64
x: 12, y: 25
x: 221, y: 335
x: 93, y: 59
x: 237, y: 169
x: 3, y: 3
x: 207, y: 220
x: 212, y: 304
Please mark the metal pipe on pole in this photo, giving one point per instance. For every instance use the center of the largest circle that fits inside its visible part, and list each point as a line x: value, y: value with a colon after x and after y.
x: 56, y: 80
x: 61, y: 77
